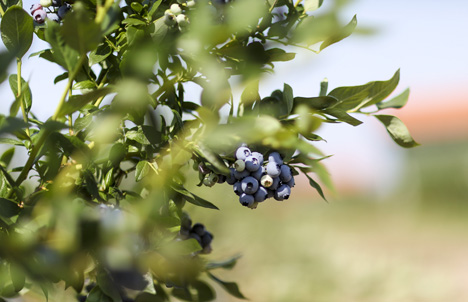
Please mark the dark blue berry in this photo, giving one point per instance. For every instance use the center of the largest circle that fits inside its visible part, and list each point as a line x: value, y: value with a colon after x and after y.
x: 275, y: 157
x: 246, y: 200
x: 249, y: 185
x: 273, y: 169
x: 286, y: 174
x: 261, y: 194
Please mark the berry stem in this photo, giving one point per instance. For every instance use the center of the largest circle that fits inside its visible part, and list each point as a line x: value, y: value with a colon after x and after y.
x: 20, y: 94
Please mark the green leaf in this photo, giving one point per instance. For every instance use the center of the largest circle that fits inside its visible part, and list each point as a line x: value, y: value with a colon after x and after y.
x: 279, y: 55
x: 317, y: 103
x: 226, y: 264
x: 345, y: 32
x: 25, y: 94
x: 5, y: 60
x: 194, y: 199
x: 230, y: 287
x: 7, y: 156
x: 288, y: 97
x: 99, y: 54
x: 397, y: 102
x: 154, y: 9
x: 212, y: 157
x: 18, y: 277
x: 314, y: 184
x: 138, y: 136
x: 182, y: 294
x: 77, y: 102
x: 355, y: 97
x: 61, y: 53
x: 311, y: 5
x: 142, y: 169
x: 91, y: 185
x: 8, y: 209
x: 342, y: 116
x: 181, y: 248
x: 397, y: 130
x: 97, y: 295
x: 79, y: 29
x: 17, y: 28
x: 107, y: 286
x: 204, y: 291
x: 88, y: 84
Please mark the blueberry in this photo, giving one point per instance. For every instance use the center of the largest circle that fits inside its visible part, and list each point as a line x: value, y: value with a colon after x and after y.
x: 238, y: 188
x: 271, y: 193
x: 252, y: 163
x: 275, y: 184
x: 56, y: 3
x: 273, y: 169
x: 258, y: 156
x: 196, y: 237
x: 198, y: 229
x: 186, y: 222
x: 207, y: 249
x: 283, y: 192
x: 246, y: 199
x: 261, y: 194
x: 275, y: 157
x: 241, y: 175
x: 291, y: 183
x: 239, y: 165
x: 39, y: 16
x: 249, y: 185
x: 242, y: 153
x: 258, y: 174
x: 221, y: 178
x: 35, y: 7
x: 285, y: 175
x: 231, y: 179
x: 210, y: 179
x: 266, y: 181
x: 63, y: 10
x: 206, y: 239
x: 253, y: 205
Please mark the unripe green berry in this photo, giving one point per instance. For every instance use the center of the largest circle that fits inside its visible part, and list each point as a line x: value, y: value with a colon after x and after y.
x: 45, y: 3
x: 266, y: 181
x: 239, y: 165
x: 191, y: 3
x: 175, y: 9
x: 182, y: 20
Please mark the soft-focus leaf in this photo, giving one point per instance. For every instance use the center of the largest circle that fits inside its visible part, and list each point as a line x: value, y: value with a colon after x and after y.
x: 230, y: 287
x: 355, y: 97
x: 142, y: 169
x: 76, y: 102
x: 311, y: 5
x: 204, y: 291
x: 227, y: 264
x: 181, y: 247
x: 25, y: 94
x: 79, y: 29
x: 97, y: 295
x: 17, y: 28
x: 61, y: 53
x: 18, y: 277
x: 397, y: 130
x: 7, y: 156
x: 107, y: 286
x: 288, y: 97
x: 343, y: 33
x: 397, y: 102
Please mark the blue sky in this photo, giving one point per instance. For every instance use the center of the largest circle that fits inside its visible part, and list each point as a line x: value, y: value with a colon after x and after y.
x: 427, y: 40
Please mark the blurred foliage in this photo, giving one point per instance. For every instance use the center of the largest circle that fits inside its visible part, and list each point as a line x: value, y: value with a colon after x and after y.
x: 98, y: 206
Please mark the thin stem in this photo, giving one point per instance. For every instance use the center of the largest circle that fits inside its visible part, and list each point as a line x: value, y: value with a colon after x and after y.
x: 273, y: 6
x: 20, y: 94
x: 71, y: 78
x: 102, y: 11
x: 99, y: 100
x: 297, y: 3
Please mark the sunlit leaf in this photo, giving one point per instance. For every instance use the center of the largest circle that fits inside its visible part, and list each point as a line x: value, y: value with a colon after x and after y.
x: 397, y: 130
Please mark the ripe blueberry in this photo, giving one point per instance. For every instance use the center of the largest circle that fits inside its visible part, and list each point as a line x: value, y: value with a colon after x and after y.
x: 291, y: 183
x: 252, y: 163
x: 283, y: 192
x: 273, y: 169
x: 275, y: 157
x: 56, y: 3
x: 258, y: 174
x: 237, y: 187
x: 240, y: 175
x: 249, y: 185
x: 198, y: 229
x: 258, y: 156
x: 221, y: 178
x: 275, y: 184
x: 285, y: 175
x: 63, y: 10
x: 242, y: 153
x: 246, y: 199
x: 206, y: 239
x: 231, y: 179
x: 261, y: 194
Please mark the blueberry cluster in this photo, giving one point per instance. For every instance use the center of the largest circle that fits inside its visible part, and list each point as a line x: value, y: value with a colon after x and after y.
x: 254, y: 180
x: 174, y: 16
x: 197, y: 232
x: 56, y: 10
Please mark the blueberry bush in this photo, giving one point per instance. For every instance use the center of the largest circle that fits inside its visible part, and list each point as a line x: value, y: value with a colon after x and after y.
x: 98, y: 205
